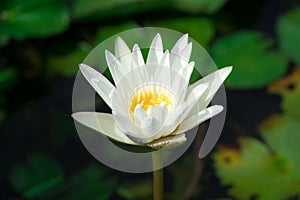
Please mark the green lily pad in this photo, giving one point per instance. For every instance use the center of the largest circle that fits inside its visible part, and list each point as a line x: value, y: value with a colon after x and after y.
x: 288, y: 87
x: 281, y: 132
x: 288, y: 31
x: 290, y: 103
x: 33, y: 18
x: 254, y: 63
x: 41, y: 177
x: 254, y: 172
x: 90, y: 183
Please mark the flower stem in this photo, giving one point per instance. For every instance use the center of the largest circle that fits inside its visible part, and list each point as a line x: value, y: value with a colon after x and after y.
x: 158, y: 177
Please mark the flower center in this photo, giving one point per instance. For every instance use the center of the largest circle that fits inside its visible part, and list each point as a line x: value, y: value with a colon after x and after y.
x: 150, y: 96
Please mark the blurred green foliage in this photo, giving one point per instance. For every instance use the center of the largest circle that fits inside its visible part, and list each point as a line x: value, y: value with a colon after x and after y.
x: 288, y: 30
x: 274, y: 163
x: 41, y: 41
x: 32, y: 18
x: 252, y: 57
x: 41, y: 177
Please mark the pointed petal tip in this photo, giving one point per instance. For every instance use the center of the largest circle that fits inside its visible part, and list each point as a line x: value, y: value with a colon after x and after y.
x: 118, y: 39
x: 156, y: 42
x: 73, y: 115
x: 135, y: 47
x: 88, y: 71
x: 109, y: 57
x: 184, y: 37
x: 227, y: 70
x: 218, y: 108
x: 83, y: 66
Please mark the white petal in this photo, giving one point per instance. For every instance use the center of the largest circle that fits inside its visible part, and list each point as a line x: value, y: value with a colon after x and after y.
x: 215, y: 80
x: 103, y: 123
x: 150, y: 127
x: 120, y: 47
x: 186, y: 52
x: 126, y: 125
x: 101, y: 85
x: 156, y: 51
x: 116, y: 68
x: 160, y: 112
x: 150, y: 130
x: 123, y: 53
x: 139, y: 114
x: 180, y: 44
x: 173, y: 119
x: 189, y: 71
x: 165, y: 60
x: 119, y: 102
x: 198, y: 118
x: 137, y: 57
x: 196, y: 93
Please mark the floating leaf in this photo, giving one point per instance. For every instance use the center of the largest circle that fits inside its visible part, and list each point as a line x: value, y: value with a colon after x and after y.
x: 33, y: 18
x: 289, y: 88
x: 282, y: 134
x: 200, y: 6
x: 90, y: 183
x: 288, y: 31
x: 253, y: 170
x: 255, y: 64
x: 40, y: 177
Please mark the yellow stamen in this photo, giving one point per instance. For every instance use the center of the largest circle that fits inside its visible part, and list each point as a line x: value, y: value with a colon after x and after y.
x: 150, y: 96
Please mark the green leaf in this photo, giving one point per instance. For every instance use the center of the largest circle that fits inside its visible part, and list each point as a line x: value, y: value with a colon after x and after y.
x: 199, y: 28
x: 288, y: 87
x: 254, y: 63
x: 33, y: 18
x: 200, y: 6
x: 253, y: 170
x: 91, y: 183
x: 281, y: 132
x: 40, y: 177
x: 8, y: 78
x: 288, y: 31
x: 290, y: 103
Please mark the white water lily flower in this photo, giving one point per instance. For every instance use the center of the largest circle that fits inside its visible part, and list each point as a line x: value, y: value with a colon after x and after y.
x: 152, y: 103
